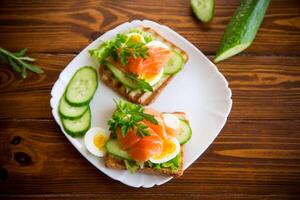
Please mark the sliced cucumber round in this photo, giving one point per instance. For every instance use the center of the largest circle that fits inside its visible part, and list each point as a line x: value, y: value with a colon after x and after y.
x: 82, y: 86
x: 174, y: 64
x: 112, y: 147
x: 77, y: 127
x: 71, y: 112
x: 185, y: 132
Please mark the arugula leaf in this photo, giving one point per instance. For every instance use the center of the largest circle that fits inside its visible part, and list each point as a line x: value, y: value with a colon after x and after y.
x: 134, y: 50
x: 129, y: 116
x: 19, y: 62
x: 140, y: 83
x: 119, y: 49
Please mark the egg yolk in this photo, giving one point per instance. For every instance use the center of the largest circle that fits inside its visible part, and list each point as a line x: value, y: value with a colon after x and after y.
x: 168, y: 148
x: 135, y: 38
x: 149, y: 77
x: 99, y: 140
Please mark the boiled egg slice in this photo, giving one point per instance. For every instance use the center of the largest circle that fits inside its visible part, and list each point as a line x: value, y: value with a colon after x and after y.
x: 135, y: 38
x: 171, y: 121
x: 95, y: 140
x: 172, y: 124
x: 170, y: 150
x: 153, y: 79
x: 157, y: 43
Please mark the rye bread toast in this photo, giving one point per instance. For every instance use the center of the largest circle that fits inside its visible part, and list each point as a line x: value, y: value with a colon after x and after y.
x: 140, y: 97
x: 117, y: 163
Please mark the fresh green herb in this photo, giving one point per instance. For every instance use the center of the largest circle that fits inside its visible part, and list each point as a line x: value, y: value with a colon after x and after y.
x: 108, y: 48
x: 134, y: 50
x: 119, y: 49
x: 140, y: 83
x: 174, y: 164
x: 19, y: 62
x: 131, y: 166
x: 128, y: 116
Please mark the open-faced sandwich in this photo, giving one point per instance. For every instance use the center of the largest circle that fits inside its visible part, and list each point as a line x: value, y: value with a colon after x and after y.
x: 146, y: 140
x: 139, y: 63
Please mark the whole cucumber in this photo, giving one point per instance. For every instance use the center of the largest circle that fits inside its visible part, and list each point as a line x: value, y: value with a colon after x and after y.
x: 242, y: 28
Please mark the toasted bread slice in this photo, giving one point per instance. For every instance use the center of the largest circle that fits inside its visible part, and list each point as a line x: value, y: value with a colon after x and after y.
x: 143, y: 98
x: 118, y: 163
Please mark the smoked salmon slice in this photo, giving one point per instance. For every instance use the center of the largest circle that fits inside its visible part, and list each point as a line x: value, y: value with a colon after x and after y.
x: 146, y: 147
x: 129, y: 140
x: 151, y: 65
x: 158, y: 128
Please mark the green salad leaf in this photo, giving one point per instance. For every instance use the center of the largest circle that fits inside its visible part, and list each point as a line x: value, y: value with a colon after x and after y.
x: 119, y: 49
x: 131, y: 166
x: 174, y: 164
x: 108, y: 48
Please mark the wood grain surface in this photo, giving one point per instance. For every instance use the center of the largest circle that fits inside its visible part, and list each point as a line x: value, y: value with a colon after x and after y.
x: 256, y: 155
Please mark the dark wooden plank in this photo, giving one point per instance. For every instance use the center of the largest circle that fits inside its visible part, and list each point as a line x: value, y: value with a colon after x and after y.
x: 248, y: 157
x: 150, y: 196
x: 255, y: 82
x: 66, y: 27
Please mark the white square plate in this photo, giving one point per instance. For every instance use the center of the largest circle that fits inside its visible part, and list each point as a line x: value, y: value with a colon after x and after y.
x: 199, y: 90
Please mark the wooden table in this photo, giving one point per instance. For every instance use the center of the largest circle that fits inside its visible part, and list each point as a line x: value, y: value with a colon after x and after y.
x: 256, y: 155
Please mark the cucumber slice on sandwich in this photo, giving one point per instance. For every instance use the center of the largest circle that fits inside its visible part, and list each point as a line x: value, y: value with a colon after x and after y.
x: 129, y: 80
x: 174, y: 64
x: 112, y: 147
x: 185, y: 133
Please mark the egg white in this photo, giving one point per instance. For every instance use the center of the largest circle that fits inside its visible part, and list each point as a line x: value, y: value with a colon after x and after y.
x: 89, y: 141
x: 171, y: 120
x: 155, y: 79
x: 157, y: 43
x: 169, y: 156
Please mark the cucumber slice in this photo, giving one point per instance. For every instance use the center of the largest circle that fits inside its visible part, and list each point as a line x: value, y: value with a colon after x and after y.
x: 71, y: 112
x: 82, y: 86
x: 112, y: 147
x: 174, y: 64
x: 203, y: 9
x: 185, y: 132
x: 121, y: 76
x: 77, y: 127
x: 129, y: 80
x: 242, y: 28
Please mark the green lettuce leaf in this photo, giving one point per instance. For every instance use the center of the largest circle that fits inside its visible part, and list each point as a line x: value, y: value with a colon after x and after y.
x: 131, y: 166
x: 174, y: 164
